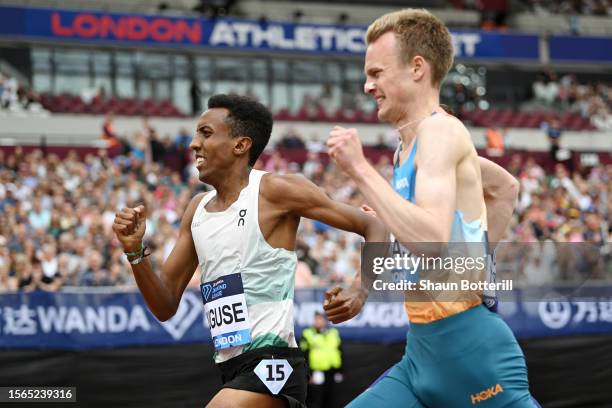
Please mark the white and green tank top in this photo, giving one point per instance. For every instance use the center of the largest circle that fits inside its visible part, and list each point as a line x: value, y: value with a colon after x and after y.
x: 247, y: 286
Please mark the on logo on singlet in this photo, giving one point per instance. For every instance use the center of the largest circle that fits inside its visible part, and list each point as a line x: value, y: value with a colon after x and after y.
x: 242, y: 214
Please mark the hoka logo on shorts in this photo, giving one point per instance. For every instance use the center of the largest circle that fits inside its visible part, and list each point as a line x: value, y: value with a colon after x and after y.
x: 486, y: 394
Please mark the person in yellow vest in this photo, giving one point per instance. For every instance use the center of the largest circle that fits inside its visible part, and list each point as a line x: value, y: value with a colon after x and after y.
x: 324, y: 356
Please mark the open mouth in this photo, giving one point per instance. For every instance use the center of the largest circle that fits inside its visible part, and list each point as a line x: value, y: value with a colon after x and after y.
x: 200, y: 162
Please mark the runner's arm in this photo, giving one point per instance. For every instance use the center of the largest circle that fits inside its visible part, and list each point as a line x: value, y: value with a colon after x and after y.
x: 163, y: 292
x: 303, y: 198
x: 500, y: 192
x: 428, y: 220
x: 299, y: 196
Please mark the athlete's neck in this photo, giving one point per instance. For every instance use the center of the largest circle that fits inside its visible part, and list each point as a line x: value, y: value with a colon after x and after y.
x: 232, y: 184
x: 414, y: 115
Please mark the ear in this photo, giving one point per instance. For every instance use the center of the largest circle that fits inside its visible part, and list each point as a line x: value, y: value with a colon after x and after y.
x: 418, y: 67
x: 242, y: 145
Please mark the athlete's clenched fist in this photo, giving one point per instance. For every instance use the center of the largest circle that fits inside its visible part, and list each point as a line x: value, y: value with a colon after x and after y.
x: 129, y: 226
x: 344, y: 147
x: 341, y: 305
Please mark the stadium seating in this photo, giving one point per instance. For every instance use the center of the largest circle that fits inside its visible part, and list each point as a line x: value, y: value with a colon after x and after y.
x: 521, y: 119
x: 66, y: 103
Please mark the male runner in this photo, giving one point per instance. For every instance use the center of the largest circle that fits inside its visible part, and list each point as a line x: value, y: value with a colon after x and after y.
x: 458, y: 354
x: 242, y: 235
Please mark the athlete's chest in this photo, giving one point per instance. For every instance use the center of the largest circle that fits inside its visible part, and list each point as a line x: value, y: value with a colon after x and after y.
x: 216, y: 234
x: 404, y: 180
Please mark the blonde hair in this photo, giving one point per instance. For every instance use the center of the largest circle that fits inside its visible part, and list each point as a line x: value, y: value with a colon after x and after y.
x: 418, y: 32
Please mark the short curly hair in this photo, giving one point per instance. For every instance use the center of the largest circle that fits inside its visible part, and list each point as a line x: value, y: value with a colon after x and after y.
x: 246, y: 117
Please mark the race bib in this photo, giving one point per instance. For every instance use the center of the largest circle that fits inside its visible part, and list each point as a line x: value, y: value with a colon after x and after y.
x: 274, y: 373
x: 226, y: 311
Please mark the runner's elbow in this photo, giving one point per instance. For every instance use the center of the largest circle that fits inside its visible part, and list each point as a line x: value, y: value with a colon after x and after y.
x: 375, y: 231
x: 165, y: 315
x: 513, y: 189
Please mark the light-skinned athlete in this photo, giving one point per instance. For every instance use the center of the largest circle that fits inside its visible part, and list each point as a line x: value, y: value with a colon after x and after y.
x: 460, y: 353
x: 242, y: 235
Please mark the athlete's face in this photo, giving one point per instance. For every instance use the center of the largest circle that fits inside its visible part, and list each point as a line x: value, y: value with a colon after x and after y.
x: 213, y: 145
x: 388, y: 79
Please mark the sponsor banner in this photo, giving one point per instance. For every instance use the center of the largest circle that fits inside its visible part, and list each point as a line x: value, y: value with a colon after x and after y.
x: 93, y: 319
x: 227, y: 33
x: 580, y: 49
x: 84, y: 320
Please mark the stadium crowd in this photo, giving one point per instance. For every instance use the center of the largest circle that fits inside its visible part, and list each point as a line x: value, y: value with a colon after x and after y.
x: 588, y: 7
x: 566, y: 94
x: 56, y: 215
x: 17, y: 98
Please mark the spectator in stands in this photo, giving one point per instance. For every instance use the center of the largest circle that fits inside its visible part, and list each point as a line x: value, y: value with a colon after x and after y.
x: 22, y: 270
x: 95, y: 274
x: 602, y: 119
x: 326, y: 99
x: 156, y: 146
x: 546, y: 88
x: 108, y: 132
x: 182, y: 139
x: 276, y: 163
x: 8, y: 92
x: 38, y: 217
x: 303, y: 253
x: 101, y: 93
x: 310, y: 108
x: 49, y: 262
x: 291, y: 140
x: 196, y: 97
x: 495, y: 141
x: 493, y: 14
x: 312, y: 167
x: 553, y: 132
x: 8, y: 283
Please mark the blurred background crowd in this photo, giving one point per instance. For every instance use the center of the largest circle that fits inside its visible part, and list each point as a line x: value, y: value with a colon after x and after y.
x: 56, y: 215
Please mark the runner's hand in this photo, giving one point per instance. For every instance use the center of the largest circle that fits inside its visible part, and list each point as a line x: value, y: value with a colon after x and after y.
x: 345, y: 148
x: 368, y: 210
x: 129, y: 227
x: 341, y: 304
